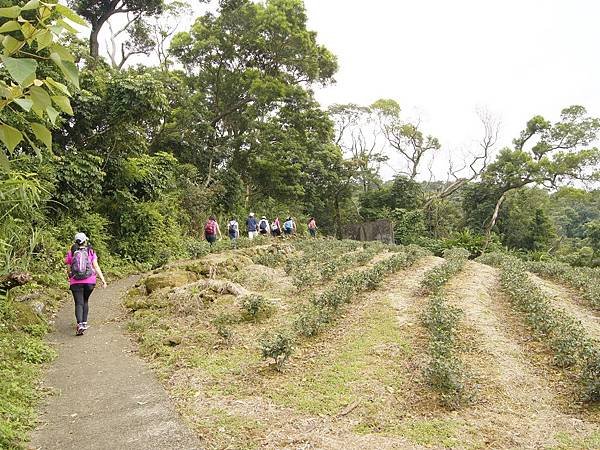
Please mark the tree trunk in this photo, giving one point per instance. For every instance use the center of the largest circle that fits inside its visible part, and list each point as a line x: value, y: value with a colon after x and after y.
x: 94, y: 45
x: 13, y: 280
x: 338, y: 218
x: 488, y: 228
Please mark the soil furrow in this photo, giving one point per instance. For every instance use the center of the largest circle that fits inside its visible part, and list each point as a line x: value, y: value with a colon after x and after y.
x: 568, y: 300
x: 514, y: 406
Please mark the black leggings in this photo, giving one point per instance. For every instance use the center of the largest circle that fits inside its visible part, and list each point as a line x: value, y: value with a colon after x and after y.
x: 81, y: 295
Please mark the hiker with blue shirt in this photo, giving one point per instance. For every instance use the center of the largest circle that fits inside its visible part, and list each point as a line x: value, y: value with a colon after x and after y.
x: 289, y: 226
x: 252, y: 226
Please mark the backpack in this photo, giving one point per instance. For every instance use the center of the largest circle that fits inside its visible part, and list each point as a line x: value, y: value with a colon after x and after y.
x: 274, y: 226
x: 233, y: 227
x: 263, y: 225
x: 288, y: 225
x: 81, y: 264
x: 210, y: 228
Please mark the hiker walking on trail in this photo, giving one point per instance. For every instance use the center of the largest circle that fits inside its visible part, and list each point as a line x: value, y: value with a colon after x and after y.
x: 233, y: 229
x: 82, y: 263
x: 211, y: 229
x: 289, y: 226
x: 276, y: 227
x: 263, y: 226
x: 312, y: 227
x: 252, y: 226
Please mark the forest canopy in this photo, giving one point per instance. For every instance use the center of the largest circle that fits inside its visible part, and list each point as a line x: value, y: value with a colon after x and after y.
x: 222, y: 120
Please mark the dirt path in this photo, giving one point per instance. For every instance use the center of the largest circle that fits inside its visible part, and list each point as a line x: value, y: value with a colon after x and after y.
x: 105, y: 396
x: 515, y: 406
x: 403, y: 289
x: 568, y: 300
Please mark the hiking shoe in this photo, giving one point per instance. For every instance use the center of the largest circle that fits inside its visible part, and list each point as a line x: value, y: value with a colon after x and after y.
x: 85, y: 325
x: 80, y: 330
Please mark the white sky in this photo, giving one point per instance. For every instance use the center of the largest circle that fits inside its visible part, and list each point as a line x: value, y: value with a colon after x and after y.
x: 442, y: 60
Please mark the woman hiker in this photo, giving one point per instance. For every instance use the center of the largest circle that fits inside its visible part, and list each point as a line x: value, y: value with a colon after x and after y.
x: 82, y: 270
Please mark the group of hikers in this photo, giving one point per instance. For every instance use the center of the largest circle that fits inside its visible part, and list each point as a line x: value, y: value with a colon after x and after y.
x: 83, y: 268
x: 255, y: 227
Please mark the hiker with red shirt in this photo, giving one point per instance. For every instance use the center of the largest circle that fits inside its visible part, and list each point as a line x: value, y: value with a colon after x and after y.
x: 82, y: 270
x: 211, y: 229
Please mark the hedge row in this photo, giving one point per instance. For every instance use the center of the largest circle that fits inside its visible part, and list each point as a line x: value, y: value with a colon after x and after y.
x: 584, y: 279
x: 445, y: 371
x: 324, y: 308
x: 564, y: 335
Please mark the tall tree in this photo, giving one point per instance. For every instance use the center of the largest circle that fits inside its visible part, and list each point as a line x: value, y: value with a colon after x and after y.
x: 404, y: 137
x: 245, y: 65
x: 357, y: 134
x: 545, y: 154
x: 98, y: 12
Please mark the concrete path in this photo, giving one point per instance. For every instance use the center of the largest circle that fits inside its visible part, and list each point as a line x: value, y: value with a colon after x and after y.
x: 104, y: 396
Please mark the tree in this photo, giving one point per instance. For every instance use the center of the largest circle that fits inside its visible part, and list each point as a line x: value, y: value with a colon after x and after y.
x: 545, y: 154
x: 30, y: 40
x: 404, y: 137
x: 245, y: 66
x: 98, y: 12
x: 357, y: 135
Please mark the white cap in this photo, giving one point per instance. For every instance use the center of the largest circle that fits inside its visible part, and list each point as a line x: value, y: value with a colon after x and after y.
x: 251, y: 214
x: 80, y: 238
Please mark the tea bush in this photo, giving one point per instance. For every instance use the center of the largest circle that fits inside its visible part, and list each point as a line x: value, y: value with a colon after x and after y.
x: 586, y: 280
x: 276, y: 345
x: 565, y: 336
x: 445, y: 371
x: 256, y: 306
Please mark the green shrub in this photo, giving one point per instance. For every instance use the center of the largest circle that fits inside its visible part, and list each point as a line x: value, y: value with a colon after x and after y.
x: 256, y: 306
x: 276, y: 345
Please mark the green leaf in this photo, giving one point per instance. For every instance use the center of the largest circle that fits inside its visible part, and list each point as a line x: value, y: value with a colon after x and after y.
x: 52, y: 114
x: 11, y: 45
x: 63, y: 103
x: 42, y: 134
x: 22, y: 70
x: 40, y: 97
x: 71, y: 15
x: 4, y: 162
x: 68, y: 69
x: 32, y: 4
x: 11, y: 137
x: 11, y: 25
x: 57, y: 87
x: 28, y: 31
x: 44, y: 39
x: 66, y: 26
x: 24, y: 103
x: 11, y: 12
x: 63, y: 52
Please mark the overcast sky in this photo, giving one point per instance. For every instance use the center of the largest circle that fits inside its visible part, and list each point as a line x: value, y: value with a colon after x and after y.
x: 442, y: 60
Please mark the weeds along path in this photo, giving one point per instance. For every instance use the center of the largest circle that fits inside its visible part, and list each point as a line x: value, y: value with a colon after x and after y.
x: 568, y: 300
x: 104, y: 396
x: 514, y: 405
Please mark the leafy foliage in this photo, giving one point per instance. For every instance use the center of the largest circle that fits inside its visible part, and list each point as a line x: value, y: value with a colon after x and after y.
x: 31, y: 35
